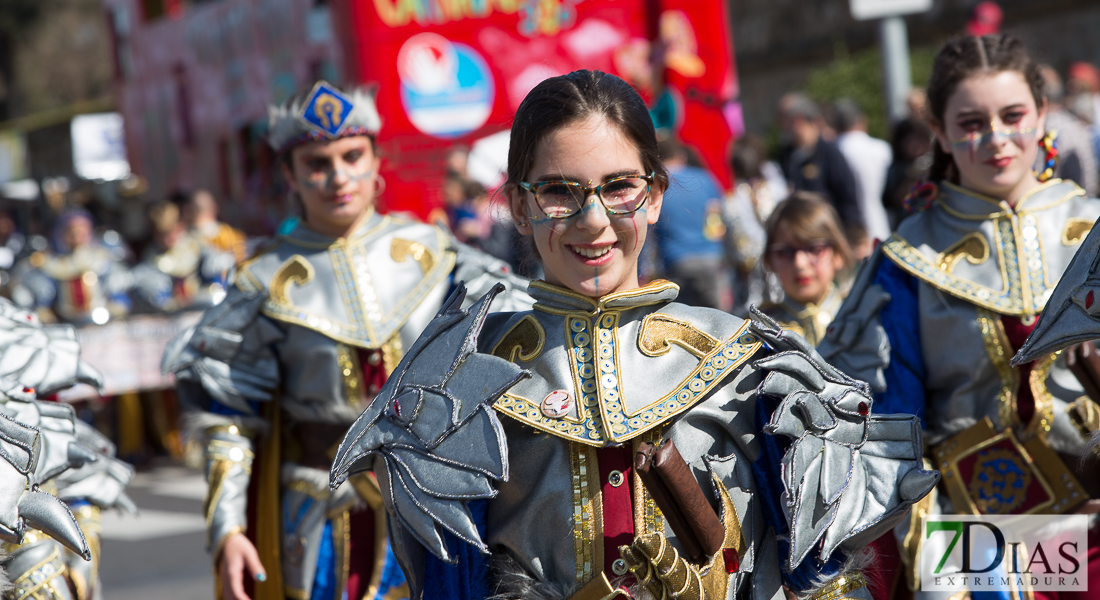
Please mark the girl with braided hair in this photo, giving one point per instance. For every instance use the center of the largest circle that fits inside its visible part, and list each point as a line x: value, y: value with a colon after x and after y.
x: 941, y: 307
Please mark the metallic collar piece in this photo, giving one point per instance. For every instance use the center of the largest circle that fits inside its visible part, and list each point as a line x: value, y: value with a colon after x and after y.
x: 558, y: 300
x: 602, y: 348
x: 300, y: 271
x: 1074, y: 313
x: 1004, y: 260
x: 808, y: 320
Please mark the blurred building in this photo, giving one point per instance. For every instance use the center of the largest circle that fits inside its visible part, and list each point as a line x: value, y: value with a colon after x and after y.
x: 193, y: 79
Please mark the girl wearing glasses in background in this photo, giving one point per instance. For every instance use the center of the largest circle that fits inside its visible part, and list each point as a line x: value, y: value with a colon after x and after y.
x: 942, y: 306
x: 559, y: 399
x: 806, y: 250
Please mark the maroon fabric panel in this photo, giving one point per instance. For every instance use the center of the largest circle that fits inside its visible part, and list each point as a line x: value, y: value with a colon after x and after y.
x: 1017, y: 333
x: 618, y: 506
x: 361, y: 552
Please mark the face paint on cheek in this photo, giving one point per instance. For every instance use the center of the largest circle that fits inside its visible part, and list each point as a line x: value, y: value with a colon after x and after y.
x: 357, y: 175
x: 634, y: 222
x: 970, y: 143
x: 550, y: 224
x: 315, y: 181
x: 323, y: 180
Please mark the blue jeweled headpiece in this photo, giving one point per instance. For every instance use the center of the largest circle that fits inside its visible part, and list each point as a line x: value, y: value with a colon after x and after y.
x: 325, y: 113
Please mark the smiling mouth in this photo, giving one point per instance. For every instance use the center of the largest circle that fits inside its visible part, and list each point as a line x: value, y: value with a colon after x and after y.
x: 592, y: 253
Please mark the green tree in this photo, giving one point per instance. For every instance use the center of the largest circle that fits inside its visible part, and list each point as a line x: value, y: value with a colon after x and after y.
x: 859, y: 77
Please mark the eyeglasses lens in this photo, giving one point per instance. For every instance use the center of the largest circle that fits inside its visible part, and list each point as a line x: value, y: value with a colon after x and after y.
x: 620, y: 196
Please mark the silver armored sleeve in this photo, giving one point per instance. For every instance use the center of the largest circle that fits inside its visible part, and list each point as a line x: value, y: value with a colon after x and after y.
x: 228, y: 470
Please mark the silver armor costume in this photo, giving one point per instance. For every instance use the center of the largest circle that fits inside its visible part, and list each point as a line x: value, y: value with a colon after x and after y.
x: 85, y: 286
x: 307, y: 323
x: 1072, y: 315
x: 807, y: 320
x: 189, y: 275
x: 65, y: 457
x: 963, y: 282
x: 593, y: 378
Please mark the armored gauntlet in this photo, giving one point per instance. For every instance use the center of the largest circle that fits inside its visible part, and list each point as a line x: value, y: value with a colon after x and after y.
x: 228, y: 469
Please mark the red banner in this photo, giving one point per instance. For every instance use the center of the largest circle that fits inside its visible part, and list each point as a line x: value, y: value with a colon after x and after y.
x: 453, y: 72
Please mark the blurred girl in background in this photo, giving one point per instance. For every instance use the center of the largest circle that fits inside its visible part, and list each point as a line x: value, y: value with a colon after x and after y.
x: 807, y: 251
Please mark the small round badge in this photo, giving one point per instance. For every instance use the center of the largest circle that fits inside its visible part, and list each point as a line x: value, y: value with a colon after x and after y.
x: 557, y: 404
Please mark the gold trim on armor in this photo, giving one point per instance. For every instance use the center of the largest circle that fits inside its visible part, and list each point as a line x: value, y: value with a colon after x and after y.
x: 351, y: 374
x: 598, y: 306
x: 911, y: 544
x: 380, y: 541
x: 647, y: 517
x: 42, y: 575
x: 356, y: 290
x: 998, y: 348
x: 1039, y: 460
x: 1075, y: 231
x: 216, y: 476
x: 1044, y: 400
x: 1001, y: 213
x: 294, y: 269
x: 972, y: 247
x: 89, y: 518
x: 1084, y: 414
x: 1025, y: 281
x: 601, y: 414
x: 401, y: 249
x: 840, y: 587
x: 659, y: 331
x: 392, y: 351
x: 361, y: 232
x: 587, y: 512
x: 524, y: 341
x: 341, y: 542
x: 367, y: 487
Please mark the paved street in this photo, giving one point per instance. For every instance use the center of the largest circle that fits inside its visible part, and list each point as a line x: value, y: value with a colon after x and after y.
x: 161, y: 552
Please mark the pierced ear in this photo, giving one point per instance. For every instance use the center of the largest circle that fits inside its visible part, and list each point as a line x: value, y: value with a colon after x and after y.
x: 519, y: 215
x: 653, y: 206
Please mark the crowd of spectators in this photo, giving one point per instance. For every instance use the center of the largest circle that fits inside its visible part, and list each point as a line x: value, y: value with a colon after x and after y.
x: 83, y: 274
x: 716, y: 245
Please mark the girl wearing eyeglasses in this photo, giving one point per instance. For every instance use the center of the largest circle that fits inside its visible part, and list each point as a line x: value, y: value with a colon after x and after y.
x: 807, y: 251
x: 944, y: 304
x: 534, y: 493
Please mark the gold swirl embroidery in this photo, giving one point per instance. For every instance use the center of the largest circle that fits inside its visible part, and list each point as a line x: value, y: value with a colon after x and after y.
x: 1075, y: 231
x: 972, y: 247
x: 296, y: 269
x: 401, y: 249
x: 659, y: 332
x: 524, y: 341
